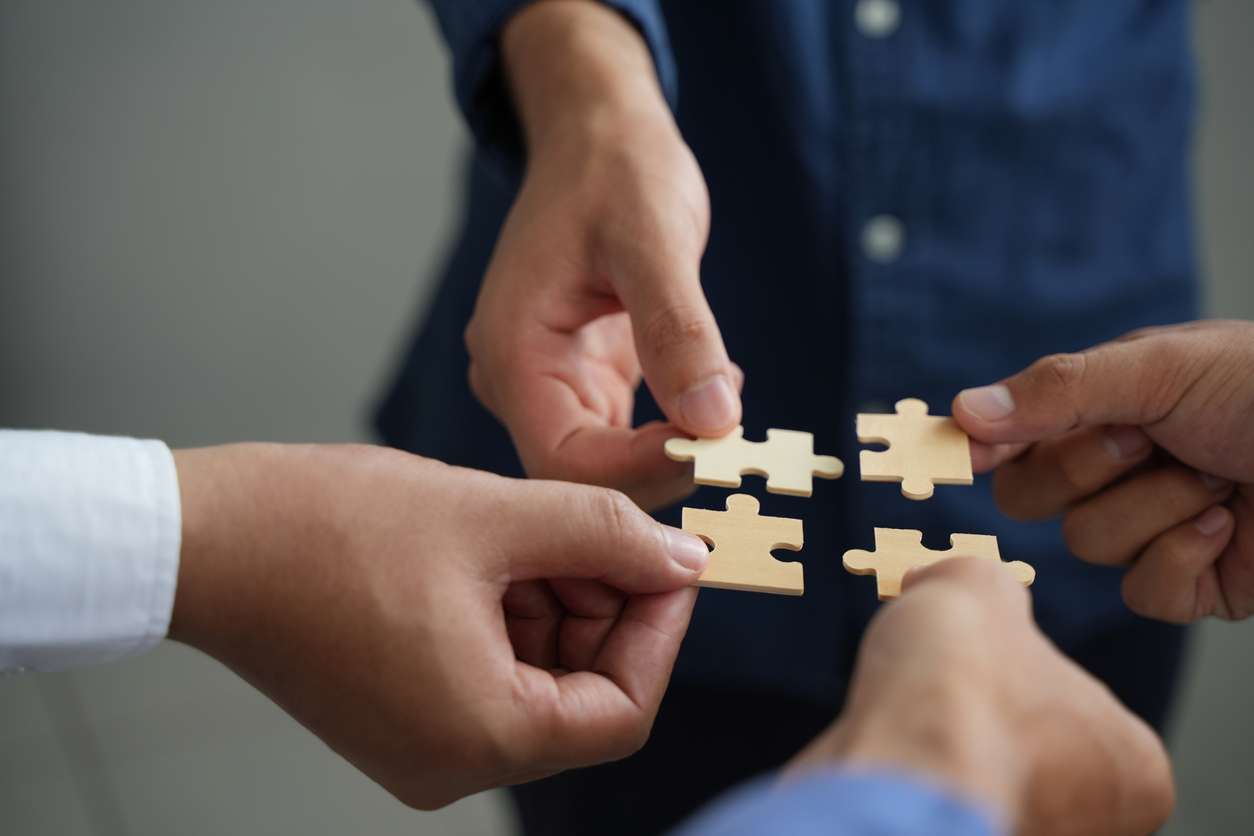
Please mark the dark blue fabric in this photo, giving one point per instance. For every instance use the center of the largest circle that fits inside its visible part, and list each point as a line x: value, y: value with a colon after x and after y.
x: 1036, y: 153
x: 841, y: 804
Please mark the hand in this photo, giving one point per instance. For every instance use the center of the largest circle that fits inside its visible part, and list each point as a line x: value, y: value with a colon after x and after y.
x: 1146, y: 445
x: 595, y: 276
x: 445, y: 630
x: 956, y: 684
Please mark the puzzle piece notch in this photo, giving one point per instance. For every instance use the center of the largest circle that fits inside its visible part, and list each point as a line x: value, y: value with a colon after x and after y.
x: 923, y: 450
x: 786, y: 459
x: 743, y: 541
x: 897, y: 551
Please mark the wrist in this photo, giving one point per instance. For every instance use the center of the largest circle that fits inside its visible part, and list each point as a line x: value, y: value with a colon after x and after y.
x: 576, y: 68
x: 961, y: 745
x: 231, y: 521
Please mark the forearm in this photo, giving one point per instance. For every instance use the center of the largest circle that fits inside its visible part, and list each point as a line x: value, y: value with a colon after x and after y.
x: 965, y: 750
x: 254, y: 515
x: 228, y: 494
x: 578, y: 66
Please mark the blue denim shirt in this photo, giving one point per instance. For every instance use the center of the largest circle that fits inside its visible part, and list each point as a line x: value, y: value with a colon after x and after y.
x: 898, y: 209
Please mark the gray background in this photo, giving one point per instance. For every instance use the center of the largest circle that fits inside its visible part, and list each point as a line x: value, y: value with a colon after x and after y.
x: 216, y: 222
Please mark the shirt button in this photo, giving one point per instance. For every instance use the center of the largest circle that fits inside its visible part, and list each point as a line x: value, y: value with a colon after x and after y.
x: 877, y: 18
x: 883, y: 238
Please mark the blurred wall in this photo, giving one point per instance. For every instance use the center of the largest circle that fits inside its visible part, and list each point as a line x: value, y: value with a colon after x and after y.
x: 216, y: 222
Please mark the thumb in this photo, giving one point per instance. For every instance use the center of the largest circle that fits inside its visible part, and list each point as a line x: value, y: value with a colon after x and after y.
x: 1123, y: 382
x: 563, y: 530
x: 677, y: 339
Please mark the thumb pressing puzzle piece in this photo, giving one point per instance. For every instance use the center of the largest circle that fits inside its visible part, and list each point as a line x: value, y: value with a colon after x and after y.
x: 786, y: 459
x: 923, y: 450
x: 898, y: 550
x: 743, y: 542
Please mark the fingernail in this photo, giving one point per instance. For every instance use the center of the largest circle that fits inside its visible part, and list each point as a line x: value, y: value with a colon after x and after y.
x: 992, y: 403
x: 1214, y: 483
x: 1125, y: 442
x: 686, y: 549
x: 1212, y: 521
x: 708, y: 406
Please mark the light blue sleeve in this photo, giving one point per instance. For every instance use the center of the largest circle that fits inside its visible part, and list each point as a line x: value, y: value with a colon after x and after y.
x: 840, y: 803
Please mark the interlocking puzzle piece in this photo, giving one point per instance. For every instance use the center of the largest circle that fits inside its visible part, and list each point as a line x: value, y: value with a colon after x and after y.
x: 898, y: 550
x: 786, y: 459
x: 743, y: 542
x: 923, y: 450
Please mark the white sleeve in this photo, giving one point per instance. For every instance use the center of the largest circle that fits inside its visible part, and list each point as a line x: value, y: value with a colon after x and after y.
x: 90, y: 529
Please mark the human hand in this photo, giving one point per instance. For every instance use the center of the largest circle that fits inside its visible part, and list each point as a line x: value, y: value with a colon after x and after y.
x: 1146, y: 446
x: 443, y: 629
x: 595, y: 277
x: 955, y: 683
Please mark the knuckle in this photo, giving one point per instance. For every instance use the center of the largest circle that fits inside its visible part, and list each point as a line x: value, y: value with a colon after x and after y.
x: 1063, y: 375
x: 626, y: 740
x: 1136, y: 594
x: 1009, y: 494
x: 1076, y: 534
x: 1074, y: 472
x: 423, y: 798
x: 614, y: 513
x: 474, y: 378
x: 633, y: 740
x: 472, y: 335
x: 676, y: 326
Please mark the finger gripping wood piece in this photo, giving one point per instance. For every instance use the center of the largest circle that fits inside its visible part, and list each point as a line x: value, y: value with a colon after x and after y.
x: 786, y: 459
x: 899, y: 550
x: 923, y: 450
x: 743, y: 542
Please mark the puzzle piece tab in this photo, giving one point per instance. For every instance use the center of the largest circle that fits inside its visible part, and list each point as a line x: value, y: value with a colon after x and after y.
x: 786, y: 459
x: 899, y: 550
x: 923, y: 450
x: 743, y: 542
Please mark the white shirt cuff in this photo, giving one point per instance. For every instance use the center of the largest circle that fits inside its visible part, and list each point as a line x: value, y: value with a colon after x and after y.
x: 90, y: 531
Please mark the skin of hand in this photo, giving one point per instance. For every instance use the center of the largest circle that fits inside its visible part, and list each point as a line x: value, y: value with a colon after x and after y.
x: 1145, y: 445
x: 954, y: 683
x: 595, y: 280
x: 445, y: 630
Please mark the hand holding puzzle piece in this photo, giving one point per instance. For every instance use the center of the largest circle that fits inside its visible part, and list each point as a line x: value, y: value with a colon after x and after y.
x: 897, y: 551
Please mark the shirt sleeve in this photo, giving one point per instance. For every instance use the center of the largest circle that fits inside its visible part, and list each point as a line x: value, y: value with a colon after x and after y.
x: 472, y: 30
x: 842, y: 803
x: 90, y: 530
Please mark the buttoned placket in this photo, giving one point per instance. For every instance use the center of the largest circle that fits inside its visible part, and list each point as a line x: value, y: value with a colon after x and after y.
x: 886, y: 308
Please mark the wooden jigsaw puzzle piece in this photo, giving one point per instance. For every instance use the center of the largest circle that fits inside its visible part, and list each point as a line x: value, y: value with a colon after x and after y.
x: 786, y: 459
x: 897, y: 551
x: 743, y: 542
x: 715, y: 461
x: 923, y: 450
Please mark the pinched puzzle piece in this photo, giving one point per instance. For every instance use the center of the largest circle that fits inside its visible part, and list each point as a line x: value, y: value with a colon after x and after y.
x: 743, y: 542
x: 786, y: 459
x: 923, y: 450
x: 899, y: 550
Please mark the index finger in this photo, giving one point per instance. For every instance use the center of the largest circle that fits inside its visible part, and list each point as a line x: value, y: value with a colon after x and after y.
x: 1127, y: 382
